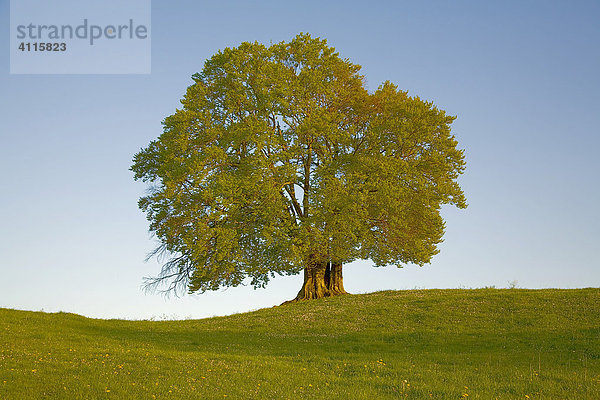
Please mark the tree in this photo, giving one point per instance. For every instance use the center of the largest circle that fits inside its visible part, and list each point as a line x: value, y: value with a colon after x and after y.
x: 280, y: 161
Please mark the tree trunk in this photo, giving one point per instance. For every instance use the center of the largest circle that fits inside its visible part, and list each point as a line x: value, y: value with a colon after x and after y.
x: 314, y: 281
x: 334, y: 280
x: 321, y: 279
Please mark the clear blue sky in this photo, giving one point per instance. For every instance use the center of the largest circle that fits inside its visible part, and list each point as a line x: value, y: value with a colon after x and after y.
x: 522, y: 77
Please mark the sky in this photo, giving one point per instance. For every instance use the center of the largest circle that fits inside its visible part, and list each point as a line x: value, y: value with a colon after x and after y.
x: 521, y: 77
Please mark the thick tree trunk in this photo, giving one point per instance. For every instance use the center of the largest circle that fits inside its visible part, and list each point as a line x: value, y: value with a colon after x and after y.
x: 314, y: 281
x: 321, y: 279
x: 334, y: 280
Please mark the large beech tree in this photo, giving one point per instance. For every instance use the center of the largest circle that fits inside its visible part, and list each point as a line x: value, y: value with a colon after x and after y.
x: 281, y: 162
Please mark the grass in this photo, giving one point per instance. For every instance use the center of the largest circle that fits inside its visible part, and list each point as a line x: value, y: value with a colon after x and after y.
x: 421, y: 344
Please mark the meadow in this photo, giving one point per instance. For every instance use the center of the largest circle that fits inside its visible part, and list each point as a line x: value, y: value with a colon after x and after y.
x: 417, y: 344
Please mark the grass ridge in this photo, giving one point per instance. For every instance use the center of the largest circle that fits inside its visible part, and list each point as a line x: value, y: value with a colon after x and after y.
x: 415, y: 344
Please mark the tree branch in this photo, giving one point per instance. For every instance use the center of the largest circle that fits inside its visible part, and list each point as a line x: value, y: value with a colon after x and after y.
x: 307, y: 166
x: 292, y: 193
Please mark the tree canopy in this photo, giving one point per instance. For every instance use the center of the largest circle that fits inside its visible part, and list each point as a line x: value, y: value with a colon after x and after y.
x: 280, y: 161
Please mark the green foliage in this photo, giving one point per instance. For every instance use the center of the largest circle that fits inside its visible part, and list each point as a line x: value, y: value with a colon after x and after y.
x: 427, y: 344
x: 279, y: 155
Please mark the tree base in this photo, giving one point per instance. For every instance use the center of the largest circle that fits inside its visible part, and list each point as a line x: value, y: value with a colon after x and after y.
x: 321, y: 280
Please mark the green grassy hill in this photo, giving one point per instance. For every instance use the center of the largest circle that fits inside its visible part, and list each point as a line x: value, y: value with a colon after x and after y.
x: 423, y: 344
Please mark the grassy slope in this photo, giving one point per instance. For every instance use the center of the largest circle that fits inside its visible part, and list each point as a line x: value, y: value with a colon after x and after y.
x: 441, y: 344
